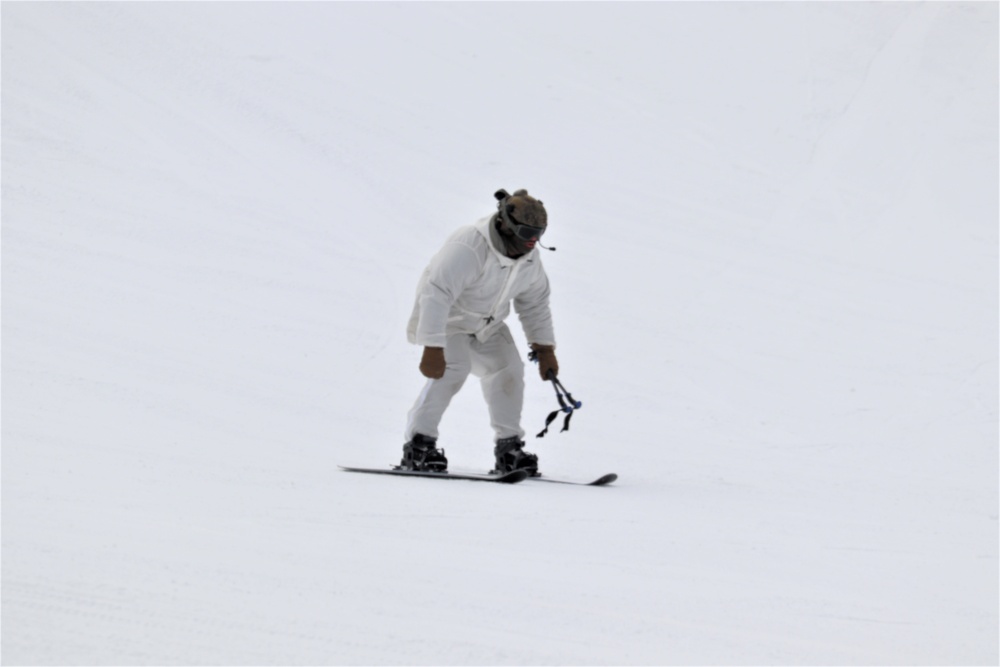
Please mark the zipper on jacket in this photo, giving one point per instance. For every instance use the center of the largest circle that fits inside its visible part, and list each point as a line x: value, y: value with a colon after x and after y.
x: 503, y: 293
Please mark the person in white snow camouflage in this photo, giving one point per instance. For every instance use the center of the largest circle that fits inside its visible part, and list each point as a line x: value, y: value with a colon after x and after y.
x: 463, y: 298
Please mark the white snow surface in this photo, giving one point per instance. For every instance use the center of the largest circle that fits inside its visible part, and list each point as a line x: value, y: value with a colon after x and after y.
x: 775, y: 293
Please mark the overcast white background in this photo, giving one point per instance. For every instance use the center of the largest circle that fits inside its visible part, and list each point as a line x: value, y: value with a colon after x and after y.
x: 775, y: 292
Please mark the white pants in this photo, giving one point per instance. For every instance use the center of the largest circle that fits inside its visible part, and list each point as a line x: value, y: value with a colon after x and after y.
x: 500, y: 370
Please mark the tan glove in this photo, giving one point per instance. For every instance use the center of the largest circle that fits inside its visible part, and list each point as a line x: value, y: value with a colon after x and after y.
x: 546, y: 355
x: 432, y: 364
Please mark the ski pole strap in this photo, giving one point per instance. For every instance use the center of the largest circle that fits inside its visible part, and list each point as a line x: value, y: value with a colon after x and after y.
x: 551, y: 418
x: 567, y: 403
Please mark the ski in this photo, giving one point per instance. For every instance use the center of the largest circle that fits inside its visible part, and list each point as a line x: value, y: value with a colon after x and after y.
x: 600, y: 481
x: 506, y: 478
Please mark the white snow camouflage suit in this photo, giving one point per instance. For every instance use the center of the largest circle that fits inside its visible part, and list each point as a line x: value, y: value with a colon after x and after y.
x: 463, y: 298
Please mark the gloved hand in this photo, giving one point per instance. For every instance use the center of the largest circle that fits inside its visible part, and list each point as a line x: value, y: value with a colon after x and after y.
x: 546, y: 355
x: 432, y: 364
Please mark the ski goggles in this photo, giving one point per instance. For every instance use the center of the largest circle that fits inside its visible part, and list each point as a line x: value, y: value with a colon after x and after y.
x: 521, y: 231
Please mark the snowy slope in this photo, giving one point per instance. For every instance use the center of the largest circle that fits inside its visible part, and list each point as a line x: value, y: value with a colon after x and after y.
x: 775, y: 292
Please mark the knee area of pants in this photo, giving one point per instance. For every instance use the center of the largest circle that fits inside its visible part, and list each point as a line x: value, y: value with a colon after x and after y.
x: 512, y: 383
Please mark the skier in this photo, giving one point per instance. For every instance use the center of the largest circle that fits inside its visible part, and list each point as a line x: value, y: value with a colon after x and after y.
x: 463, y: 298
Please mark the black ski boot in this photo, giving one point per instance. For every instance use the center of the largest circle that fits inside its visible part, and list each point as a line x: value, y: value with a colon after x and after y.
x: 511, y: 456
x: 422, y: 454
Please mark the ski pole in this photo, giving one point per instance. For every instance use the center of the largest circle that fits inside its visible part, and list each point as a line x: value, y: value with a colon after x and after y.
x: 567, y: 403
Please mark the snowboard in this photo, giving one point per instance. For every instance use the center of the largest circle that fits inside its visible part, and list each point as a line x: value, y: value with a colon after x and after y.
x: 506, y: 478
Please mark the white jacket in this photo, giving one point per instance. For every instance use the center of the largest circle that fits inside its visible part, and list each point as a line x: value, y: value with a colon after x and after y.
x: 468, y: 287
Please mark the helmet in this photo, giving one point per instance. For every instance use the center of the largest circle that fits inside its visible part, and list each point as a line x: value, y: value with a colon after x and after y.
x: 521, y: 214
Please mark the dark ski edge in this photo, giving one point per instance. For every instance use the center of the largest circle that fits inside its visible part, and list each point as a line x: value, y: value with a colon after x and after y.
x: 507, y: 478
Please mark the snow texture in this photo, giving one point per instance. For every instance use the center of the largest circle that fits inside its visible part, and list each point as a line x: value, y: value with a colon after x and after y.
x: 776, y: 294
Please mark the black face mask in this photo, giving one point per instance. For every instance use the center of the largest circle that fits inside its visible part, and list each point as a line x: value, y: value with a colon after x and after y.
x: 513, y: 247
